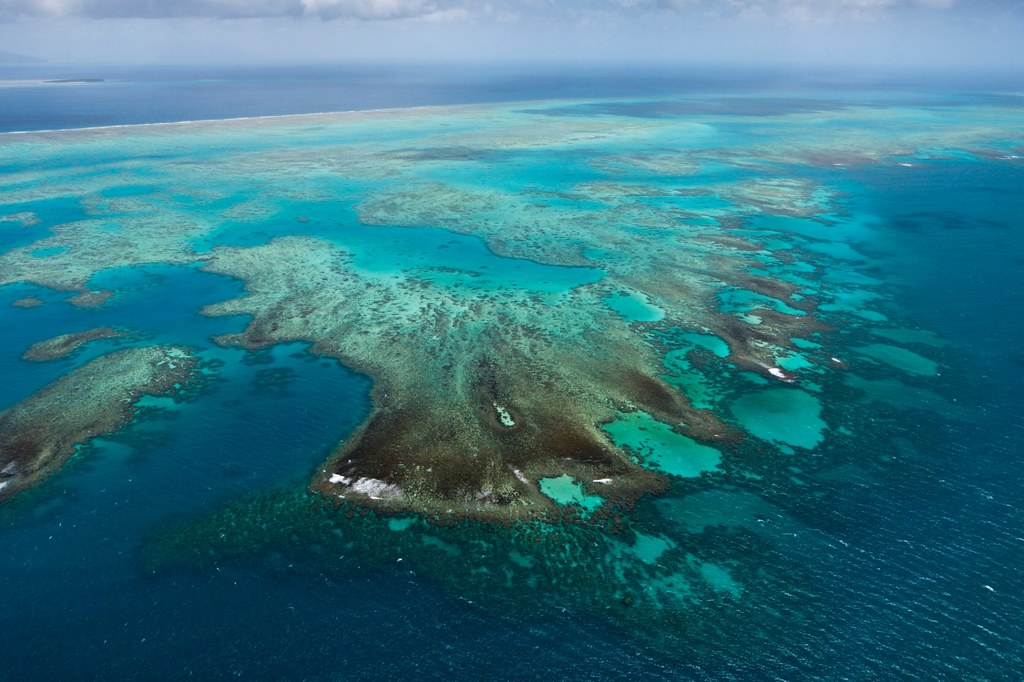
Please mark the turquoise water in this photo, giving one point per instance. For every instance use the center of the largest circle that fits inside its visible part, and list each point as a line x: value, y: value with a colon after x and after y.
x: 661, y: 448
x: 565, y: 490
x: 860, y: 520
x: 783, y: 415
x: 634, y: 308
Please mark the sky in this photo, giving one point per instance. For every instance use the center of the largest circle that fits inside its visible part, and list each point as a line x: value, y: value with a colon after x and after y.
x: 944, y: 33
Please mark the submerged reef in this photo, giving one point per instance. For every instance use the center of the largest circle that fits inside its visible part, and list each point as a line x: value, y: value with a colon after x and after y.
x: 660, y: 583
x: 27, y: 302
x: 38, y: 434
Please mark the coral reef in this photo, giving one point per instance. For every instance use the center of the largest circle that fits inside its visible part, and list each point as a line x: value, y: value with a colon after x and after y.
x: 476, y: 399
x: 65, y: 344
x: 584, y: 253
x: 38, y: 434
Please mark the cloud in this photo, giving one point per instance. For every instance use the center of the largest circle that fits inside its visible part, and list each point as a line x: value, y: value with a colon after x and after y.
x: 228, y: 9
x: 374, y: 9
x: 793, y: 10
x: 817, y: 32
x: 790, y: 10
x: 580, y: 14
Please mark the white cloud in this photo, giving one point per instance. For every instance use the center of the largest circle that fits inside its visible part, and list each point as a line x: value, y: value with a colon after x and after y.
x: 229, y: 9
x: 796, y: 10
x: 816, y: 32
x: 370, y: 9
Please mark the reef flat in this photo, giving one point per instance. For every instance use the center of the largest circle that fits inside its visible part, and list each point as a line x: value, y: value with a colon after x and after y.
x: 38, y: 434
x: 477, y: 398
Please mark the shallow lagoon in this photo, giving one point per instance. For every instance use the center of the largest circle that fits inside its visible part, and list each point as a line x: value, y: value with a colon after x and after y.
x: 661, y: 447
x: 782, y: 415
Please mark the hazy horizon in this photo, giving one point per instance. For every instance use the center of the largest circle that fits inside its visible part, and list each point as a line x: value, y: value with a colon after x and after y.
x: 804, y: 33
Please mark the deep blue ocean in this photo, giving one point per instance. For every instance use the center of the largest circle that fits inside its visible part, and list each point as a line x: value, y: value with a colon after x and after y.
x: 155, y: 94
x: 909, y: 571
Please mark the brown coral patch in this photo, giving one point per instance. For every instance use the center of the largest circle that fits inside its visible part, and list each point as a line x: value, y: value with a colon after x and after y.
x: 463, y: 460
x: 729, y: 242
x: 65, y: 344
x: 90, y: 299
x: 773, y: 288
x: 38, y: 434
x: 750, y: 345
x: 28, y: 302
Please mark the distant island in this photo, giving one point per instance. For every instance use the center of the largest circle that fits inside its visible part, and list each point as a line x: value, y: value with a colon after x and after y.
x: 75, y: 80
x: 16, y: 58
